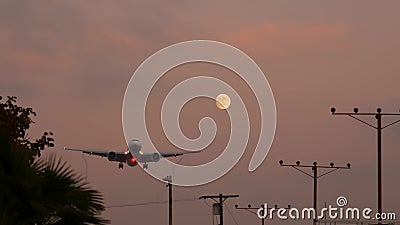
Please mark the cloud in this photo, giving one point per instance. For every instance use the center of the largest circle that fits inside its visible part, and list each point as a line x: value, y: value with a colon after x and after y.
x: 282, y: 39
x: 110, y: 40
x: 26, y: 60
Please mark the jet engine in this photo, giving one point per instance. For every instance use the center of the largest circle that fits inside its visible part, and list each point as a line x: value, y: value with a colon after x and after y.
x: 155, y: 157
x: 112, y: 156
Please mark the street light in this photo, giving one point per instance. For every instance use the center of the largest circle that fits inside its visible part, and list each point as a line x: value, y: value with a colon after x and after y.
x: 314, y: 167
x: 378, y: 116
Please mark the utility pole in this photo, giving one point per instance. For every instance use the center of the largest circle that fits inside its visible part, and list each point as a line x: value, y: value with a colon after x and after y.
x: 169, y: 185
x: 315, y: 177
x: 378, y: 116
x: 251, y: 209
x: 220, y: 200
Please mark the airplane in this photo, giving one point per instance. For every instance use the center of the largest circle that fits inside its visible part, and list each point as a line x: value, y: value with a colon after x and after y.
x: 131, y: 157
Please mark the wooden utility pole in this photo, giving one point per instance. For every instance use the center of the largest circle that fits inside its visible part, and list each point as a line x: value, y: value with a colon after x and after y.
x: 169, y: 180
x: 221, y: 198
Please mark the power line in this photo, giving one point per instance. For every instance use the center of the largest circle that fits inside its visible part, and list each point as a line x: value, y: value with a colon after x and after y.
x: 254, y: 210
x: 86, y: 166
x: 150, y: 203
x: 205, y: 202
x: 230, y: 213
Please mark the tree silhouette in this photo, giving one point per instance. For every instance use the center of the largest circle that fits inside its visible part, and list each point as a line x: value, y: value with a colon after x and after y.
x: 16, y: 120
x: 41, y: 191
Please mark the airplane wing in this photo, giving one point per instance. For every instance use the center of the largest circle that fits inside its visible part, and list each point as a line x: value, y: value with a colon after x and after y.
x: 175, y: 154
x: 121, y: 157
x: 90, y: 152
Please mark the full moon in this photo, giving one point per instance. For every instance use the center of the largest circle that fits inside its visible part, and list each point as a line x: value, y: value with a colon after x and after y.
x: 223, y: 101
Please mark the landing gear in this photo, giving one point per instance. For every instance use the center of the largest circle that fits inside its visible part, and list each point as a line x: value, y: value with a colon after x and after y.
x: 120, y: 166
x: 145, y: 166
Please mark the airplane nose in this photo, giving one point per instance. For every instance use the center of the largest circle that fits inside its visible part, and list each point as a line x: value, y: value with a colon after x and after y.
x: 135, y: 145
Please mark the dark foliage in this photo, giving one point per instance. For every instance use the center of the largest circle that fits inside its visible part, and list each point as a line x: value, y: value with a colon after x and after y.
x: 41, y: 191
x: 16, y: 120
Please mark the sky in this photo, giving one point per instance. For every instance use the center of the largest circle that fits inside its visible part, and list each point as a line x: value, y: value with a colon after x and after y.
x: 72, y: 61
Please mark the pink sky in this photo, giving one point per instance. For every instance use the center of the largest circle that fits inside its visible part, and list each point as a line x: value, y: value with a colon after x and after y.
x: 71, y: 61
